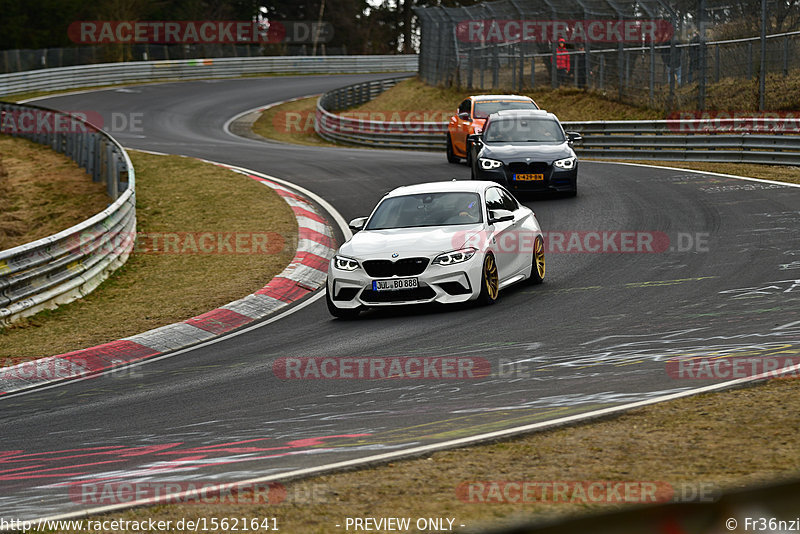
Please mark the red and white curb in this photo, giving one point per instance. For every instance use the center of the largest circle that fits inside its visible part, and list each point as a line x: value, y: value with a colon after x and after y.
x: 304, y: 274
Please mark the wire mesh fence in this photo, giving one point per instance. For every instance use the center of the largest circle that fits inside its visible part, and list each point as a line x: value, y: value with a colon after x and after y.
x: 645, y: 53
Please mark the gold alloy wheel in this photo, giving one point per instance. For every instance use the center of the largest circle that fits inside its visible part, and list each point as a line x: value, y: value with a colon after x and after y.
x: 538, y: 255
x: 490, y: 277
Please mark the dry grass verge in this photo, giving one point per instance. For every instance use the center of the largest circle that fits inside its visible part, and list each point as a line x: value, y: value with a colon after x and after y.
x: 174, y: 194
x: 42, y: 192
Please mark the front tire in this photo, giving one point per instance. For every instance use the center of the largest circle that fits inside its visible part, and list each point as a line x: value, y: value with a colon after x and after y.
x: 451, y: 156
x: 340, y: 313
x: 490, y: 282
x: 537, y: 262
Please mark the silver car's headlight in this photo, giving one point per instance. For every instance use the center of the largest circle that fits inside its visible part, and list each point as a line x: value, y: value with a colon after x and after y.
x: 343, y: 263
x: 566, y: 163
x: 455, y: 256
x: 489, y: 164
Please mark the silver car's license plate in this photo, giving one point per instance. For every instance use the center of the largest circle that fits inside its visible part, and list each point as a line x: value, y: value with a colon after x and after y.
x: 395, y: 284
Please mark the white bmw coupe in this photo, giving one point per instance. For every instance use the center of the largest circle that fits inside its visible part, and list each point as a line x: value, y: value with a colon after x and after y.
x: 443, y: 242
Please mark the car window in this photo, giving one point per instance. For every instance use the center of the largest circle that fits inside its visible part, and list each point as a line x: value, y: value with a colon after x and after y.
x: 494, y: 200
x: 509, y: 202
x: 465, y: 106
x: 426, y: 209
x: 486, y: 107
x: 524, y: 130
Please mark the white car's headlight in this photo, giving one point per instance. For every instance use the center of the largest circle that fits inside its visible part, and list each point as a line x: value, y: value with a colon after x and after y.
x: 566, y: 163
x: 488, y: 164
x: 455, y: 256
x: 344, y: 263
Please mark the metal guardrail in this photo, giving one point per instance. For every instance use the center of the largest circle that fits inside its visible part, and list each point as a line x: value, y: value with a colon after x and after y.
x: 667, y: 140
x: 143, y: 71
x: 70, y: 264
x: 337, y: 128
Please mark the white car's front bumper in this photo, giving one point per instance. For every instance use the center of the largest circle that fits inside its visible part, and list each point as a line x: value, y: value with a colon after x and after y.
x: 437, y: 283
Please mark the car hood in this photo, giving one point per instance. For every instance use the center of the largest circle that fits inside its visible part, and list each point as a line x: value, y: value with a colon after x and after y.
x: 408, y: 242
x: 539, y: 151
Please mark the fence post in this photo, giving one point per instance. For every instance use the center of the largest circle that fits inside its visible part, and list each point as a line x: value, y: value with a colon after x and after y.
x: 553, y: 67
x: 602, y: 70
x: 483, y: 65
x: 495, y: 67
x: 652, y: 72
x: 786, y: 56
x: 620, y: 70
x: 512, y: 62
x: 716, y: 64
x: 470, y: 59
x: 763, y: 78
x: 749, y: 60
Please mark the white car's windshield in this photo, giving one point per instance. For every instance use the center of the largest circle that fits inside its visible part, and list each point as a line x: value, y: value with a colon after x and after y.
x: 519, y: 130
x: 485, y: 108
x: 427, y: 209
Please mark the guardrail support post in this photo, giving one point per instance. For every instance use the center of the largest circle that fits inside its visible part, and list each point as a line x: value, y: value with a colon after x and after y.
x: 111, y: 171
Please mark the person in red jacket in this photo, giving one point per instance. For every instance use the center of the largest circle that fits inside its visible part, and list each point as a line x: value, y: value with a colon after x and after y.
x: 562, y: 62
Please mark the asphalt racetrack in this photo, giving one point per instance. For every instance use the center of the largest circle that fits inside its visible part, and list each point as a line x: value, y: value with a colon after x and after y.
x: 714, y: 269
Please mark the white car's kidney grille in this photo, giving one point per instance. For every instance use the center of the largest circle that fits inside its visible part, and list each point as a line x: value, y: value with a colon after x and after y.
x: 402, y: 267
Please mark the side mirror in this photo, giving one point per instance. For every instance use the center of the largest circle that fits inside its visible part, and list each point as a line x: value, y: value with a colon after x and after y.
x: 496, y: 216
x: 574, y: 137
x: 357, y: 224
x: 463, y: 115
x: 474, y: 139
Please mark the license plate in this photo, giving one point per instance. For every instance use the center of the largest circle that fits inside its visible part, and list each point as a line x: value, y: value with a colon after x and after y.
x: 528, y: 177
x: 396, y: 284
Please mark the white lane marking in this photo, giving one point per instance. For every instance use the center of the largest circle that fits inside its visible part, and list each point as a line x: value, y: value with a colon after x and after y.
x: 787, y: 325
x: 788, y: 184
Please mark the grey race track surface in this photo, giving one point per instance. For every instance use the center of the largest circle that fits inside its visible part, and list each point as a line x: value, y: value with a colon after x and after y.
x: 596, y: 334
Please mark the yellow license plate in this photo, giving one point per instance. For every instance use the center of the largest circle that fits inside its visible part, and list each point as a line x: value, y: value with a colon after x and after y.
x: 528, y: 177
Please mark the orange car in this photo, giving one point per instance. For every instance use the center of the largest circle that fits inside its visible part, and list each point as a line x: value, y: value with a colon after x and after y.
x: 471, y: 116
